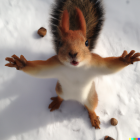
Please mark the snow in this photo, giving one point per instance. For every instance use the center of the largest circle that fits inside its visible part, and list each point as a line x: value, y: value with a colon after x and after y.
x: 24, y: 100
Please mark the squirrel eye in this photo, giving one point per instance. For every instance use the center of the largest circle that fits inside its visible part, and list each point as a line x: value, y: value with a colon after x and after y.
x: 86, y: 43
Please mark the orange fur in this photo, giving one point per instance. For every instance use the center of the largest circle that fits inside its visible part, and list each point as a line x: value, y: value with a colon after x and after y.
x: 65, y: 22
x: 93, y: 98
x: 115, y: 63
x: 74, y: 42
x: 94, y: 118
x: 81, y: 21
x: 112, y: 63
x: 35, y: 66
x: 58, y: 88
x: 92, y: 104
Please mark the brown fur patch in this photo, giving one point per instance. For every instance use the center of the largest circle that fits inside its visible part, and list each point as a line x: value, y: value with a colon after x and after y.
x: 58, y: 88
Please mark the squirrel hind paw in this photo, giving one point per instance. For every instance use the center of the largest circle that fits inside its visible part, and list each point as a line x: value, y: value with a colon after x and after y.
x: 95, y: 122
x: 55, y: 104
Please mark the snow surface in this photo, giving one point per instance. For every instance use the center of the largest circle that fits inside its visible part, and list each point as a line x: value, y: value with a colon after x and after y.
x: 24, y: 100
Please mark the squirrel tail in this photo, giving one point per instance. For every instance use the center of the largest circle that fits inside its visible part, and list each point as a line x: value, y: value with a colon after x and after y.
x: 93, y: 13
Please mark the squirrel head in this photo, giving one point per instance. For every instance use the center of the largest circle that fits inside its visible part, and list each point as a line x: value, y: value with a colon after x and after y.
x: 73, y: 50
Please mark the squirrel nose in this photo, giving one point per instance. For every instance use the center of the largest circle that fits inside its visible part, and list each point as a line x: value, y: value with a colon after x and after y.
x: 73, y: 55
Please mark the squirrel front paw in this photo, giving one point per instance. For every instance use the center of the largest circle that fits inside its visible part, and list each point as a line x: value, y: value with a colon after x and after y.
x: 130, y: 58
x: 15, y: 61
x: 55, y: 104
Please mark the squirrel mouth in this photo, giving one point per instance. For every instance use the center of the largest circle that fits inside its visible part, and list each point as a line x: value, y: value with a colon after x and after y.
x: 74, y: 63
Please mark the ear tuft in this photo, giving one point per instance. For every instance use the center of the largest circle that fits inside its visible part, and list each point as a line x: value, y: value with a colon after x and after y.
x: 64, y: 27
x: 81, y: 21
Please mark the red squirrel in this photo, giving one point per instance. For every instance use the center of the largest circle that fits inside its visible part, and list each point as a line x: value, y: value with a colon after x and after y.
x: 75, y: 25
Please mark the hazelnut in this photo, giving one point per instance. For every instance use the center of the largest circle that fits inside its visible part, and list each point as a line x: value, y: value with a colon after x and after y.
x: 42, y: 31
x: 105, y: 137
x: 108, y: 138
x: 113, y: 121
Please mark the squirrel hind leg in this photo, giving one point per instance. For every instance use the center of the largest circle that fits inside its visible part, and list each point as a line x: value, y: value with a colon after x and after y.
x: 91, y: 104
x: 95, y: 122
x: 55, y: 104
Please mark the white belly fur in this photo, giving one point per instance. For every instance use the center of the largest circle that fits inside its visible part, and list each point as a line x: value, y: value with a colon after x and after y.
x: 76, y: 84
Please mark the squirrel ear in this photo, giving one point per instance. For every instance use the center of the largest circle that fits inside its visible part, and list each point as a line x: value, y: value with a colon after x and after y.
x: 81, y: 21
x: 64, y: 27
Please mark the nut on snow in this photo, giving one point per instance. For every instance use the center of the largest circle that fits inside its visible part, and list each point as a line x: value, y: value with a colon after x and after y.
x: 108, y: 138
x: 114, y: 121
x: 42, y: 31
